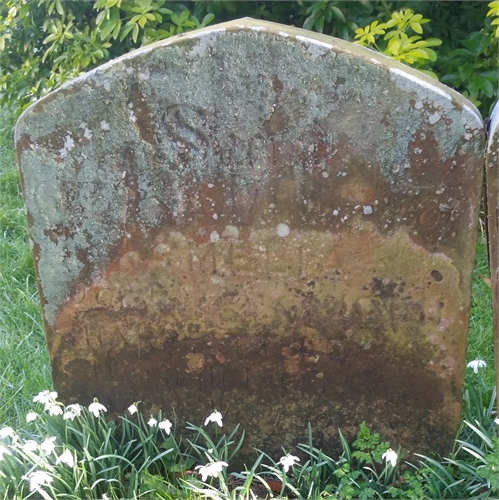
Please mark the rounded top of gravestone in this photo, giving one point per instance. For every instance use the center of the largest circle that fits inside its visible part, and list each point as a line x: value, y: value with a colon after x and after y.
x: 318, y: 45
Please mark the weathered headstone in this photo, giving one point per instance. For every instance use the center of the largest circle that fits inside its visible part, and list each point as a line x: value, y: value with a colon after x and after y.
x: 492, y: 183
x: 262, y: 220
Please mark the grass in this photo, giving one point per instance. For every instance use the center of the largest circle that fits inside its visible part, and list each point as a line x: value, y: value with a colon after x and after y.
x: 25, y: 371
x: 24, y: 362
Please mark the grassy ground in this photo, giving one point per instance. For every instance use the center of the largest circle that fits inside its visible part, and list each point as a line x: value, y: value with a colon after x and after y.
x: 24, y: 363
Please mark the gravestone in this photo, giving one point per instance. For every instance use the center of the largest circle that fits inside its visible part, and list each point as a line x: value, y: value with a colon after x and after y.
x: 262, y: 220
x: 492, y: 201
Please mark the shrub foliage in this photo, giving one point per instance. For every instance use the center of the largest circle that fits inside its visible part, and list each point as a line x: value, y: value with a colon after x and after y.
x: 44, y: 43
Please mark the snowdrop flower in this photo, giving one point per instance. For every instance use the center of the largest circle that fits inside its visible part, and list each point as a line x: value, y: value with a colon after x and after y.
x: 48, y: 445
x: 95, y: 408
x: 476, y: 364
x: 496, y: 421
x: 4, y: 451
x: 166, y: 425
x: 133, y: 409
x: 53, y: 409
x: 212, y: 469
x: 7, y: 432
x: 30, y: 446
x: 45, y: 397
x: 288, y: 461
x: 74, y: 408
x: 215, y: 417
x: 390, y: 456
x: 66, y: 458
x: 31, y: 416
x: 37, y: 480
x: 152, y: 422
x: 69, y: 415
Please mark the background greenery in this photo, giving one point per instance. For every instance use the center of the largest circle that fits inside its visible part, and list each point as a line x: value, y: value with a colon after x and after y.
x: 44, y: 43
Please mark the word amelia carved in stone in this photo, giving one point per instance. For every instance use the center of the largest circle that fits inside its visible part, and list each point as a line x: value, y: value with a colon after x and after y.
x: 262, y: 220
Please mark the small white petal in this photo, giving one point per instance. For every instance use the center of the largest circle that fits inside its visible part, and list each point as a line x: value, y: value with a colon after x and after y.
x: 496, y: 421
x: 66, y: 458
x: 74, y: 408
x: 69, y: 415
x: 133, y: 409
x: 391, y: 456
x: 30, y: 446
x: 48, y: 445
x: 95, y: 408
x: 152, y: 422
x: 53, y: 409
x: 212, y: 469
x: 37, y: 480
x: 31, y: 416
x: 288, y: 461
x: 7, y: 432
x: 166, y: 425
x: 215, y: 417
x: 4, y: 451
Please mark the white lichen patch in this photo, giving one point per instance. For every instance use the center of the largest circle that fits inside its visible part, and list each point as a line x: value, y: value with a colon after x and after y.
x: 69, y: 144
x: 104, y: 125
x: 231, y: 232
x: 282, y: 230
x: 205, y: 40
x: 314, y: 47
x: 434, y: 117
x: 214, y: 236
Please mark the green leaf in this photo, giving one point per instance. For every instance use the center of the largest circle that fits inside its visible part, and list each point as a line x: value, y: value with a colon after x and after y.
x: 308, y: 24
x: 416, y: 27
x: 319, y: 24
x: 338, y: 15
x: 107, y: 28
x: 207, y: 19
x: 117, y: 29
x: 486, y: 87
x: 126, y: 29
x: 59, y: 8
x: 100, y: 17
x: 184, y: 16
x: 135, y: 33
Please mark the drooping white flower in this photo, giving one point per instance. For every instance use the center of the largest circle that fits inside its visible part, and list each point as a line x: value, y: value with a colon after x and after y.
x: 476, y: 364
x: 288, y: 461
x: 390, y: 456
x: 212, y: 469
x: 7, y: 432
x: 95, y: 408
x: 66, y: 458
x: 69, y: 415
x: 45, y: 397
x: 74, y: 408
x: 215, y: 417
x: 48, y: 445
x: 37, y: 479
x: 4, y: 451
x: 53, y: 409
x: 496, y: 421
x: 166, y: 425
x: 133, y: 409
x: 30, y: 446
x: 152, y: 422
x: 31, y: 416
